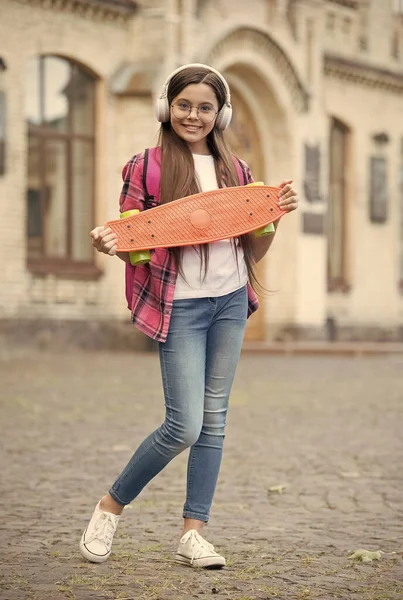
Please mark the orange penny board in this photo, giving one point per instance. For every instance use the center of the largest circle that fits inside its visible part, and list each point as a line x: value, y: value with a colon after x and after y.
x: 199, y: 219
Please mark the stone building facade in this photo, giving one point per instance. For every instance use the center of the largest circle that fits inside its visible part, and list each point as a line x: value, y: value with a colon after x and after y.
x: 317, y: 90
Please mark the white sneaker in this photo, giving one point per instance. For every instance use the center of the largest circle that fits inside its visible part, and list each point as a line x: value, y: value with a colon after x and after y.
x: 96, y: 541
x: 195, y: 551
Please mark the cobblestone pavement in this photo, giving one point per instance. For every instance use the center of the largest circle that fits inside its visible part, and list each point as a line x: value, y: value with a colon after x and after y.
x: 329, y: 429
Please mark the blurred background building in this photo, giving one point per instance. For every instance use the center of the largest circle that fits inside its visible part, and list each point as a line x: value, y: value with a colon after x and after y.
x: 317, y: 90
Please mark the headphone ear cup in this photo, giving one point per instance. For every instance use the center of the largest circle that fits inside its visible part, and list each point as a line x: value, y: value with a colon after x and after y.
x: 162, y: 109
x: 224, y: 117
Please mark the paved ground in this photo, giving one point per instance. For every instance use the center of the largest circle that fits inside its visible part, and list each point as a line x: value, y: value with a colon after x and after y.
x: 329, y: 429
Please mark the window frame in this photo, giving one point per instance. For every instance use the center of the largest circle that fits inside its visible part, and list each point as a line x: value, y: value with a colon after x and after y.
x: 339, y: 283
x: 66, y: 266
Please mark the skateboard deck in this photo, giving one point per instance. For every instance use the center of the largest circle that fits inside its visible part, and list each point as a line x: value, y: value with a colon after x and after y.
x: 199, y: 219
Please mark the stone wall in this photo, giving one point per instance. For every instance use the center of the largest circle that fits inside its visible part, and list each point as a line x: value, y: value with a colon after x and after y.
x: 296, y: 64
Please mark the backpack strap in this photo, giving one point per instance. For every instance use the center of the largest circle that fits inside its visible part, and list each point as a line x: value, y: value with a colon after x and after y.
x: 145, y: 169
x: 152, y: 177
x: 243, y: 180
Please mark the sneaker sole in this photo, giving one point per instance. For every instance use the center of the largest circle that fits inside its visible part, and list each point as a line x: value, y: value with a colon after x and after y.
x: 205, y: 563
x: 96, y: 558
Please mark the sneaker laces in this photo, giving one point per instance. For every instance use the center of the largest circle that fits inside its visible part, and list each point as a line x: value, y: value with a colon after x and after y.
x: 105, y: 528
x: 199, y: 545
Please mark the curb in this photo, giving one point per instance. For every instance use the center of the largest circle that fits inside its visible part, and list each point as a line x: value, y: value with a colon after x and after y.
x: 324, y: 348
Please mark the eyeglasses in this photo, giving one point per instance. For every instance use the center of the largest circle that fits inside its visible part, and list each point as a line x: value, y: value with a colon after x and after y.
x: 183, y: 110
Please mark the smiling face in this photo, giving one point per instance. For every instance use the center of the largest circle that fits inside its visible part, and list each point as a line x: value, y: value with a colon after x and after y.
x: 191, y: 127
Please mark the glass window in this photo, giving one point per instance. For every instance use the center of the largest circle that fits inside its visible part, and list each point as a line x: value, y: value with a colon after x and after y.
x: 56, y: 209
x: 34, y: 209
x: 82, y: 100
x: 60, y: 113
x: 56, y: 79
x: 337, y: 206
x: 82, y: 188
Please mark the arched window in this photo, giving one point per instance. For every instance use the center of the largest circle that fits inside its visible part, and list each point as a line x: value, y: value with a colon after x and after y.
x: 337, y: 209
x: 60, y: 114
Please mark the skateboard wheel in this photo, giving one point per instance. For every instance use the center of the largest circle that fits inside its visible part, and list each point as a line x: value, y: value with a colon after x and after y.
x: 264, y: 230
x: 270, y: 227
x: 136, y: 258
x: 129, y: 213
x: 139, y: 258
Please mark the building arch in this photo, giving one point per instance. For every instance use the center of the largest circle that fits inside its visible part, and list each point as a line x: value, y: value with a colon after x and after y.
x: 251, y: 41
x: 266, y: 105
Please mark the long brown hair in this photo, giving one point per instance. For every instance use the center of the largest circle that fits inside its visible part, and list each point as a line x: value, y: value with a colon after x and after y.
x: 178, y: 177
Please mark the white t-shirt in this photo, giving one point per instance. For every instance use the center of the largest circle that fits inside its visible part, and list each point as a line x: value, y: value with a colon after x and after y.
x: 224, y: 274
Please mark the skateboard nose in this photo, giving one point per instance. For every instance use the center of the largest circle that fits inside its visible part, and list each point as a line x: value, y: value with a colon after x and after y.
x: 200, y: 218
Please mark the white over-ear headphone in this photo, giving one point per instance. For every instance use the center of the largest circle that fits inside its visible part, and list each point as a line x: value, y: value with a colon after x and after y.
x: 163, y: 109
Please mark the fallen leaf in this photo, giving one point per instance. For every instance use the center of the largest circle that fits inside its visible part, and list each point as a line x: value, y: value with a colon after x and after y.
x: 366, y: 555
x: 277, y: 489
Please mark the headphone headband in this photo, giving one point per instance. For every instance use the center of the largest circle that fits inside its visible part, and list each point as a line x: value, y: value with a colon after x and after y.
x: 164, y: 93
x: 163, y: 109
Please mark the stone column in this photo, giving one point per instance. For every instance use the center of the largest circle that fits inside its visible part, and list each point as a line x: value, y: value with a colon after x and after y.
x: 187, y: 19
x: 311, y: 281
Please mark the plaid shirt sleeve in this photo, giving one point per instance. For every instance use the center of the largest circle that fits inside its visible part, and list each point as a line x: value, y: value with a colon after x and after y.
x: 132, y: 194
x: 150, y: 288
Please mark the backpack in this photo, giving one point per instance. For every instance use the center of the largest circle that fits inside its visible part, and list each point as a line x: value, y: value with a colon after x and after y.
x: 152, y: 175
x: 151, y: 187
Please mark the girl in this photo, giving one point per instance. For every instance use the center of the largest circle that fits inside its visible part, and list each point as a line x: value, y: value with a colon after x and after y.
x: 194, y: 302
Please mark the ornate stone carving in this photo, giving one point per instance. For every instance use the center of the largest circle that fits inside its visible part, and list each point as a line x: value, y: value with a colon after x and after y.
x: 363, y: 74
x: 263, y: 45
x: 347, y: 3
x: 103, y: 9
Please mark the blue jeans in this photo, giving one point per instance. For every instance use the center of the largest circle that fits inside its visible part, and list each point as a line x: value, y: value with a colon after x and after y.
x: 198, y: 363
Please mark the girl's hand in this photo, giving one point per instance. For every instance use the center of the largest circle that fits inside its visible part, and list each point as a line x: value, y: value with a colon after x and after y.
x: 104, y: 240
x: 287, y: 196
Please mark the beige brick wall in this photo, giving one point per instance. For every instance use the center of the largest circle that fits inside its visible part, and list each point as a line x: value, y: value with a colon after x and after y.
x: 241, y: 40
x: 102, y: 46
x: 373, y: 247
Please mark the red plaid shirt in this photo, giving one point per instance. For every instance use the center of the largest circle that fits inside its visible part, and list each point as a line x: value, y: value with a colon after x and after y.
x: 150, y: 288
